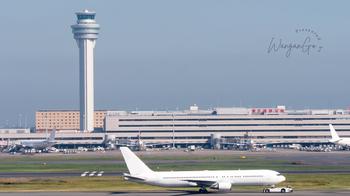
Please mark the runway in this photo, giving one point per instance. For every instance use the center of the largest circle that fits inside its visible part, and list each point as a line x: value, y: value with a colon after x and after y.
x: 176, y: 193
x: 336, y: 158
x: 335, y: 163
x: 339, y: 161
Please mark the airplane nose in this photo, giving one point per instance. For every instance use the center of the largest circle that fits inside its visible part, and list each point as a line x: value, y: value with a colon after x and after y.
x: 282, y: 178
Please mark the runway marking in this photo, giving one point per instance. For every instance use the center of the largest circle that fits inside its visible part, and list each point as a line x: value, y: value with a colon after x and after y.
x: 92, y: 173
x: 84, y: 174
x: 100, y: 173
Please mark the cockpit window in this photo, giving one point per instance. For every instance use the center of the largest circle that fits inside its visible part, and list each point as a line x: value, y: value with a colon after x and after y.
x: 279, y: 174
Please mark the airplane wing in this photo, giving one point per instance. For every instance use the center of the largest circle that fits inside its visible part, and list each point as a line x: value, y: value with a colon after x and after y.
x: 126, y: 145
x: 157, y: 144
x: 205, y: 183
x: 335, y: 140
x: 130, y: 177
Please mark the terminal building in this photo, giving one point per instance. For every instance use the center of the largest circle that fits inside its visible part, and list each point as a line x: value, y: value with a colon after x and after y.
x: 192, y: 126
x: 263, y: 125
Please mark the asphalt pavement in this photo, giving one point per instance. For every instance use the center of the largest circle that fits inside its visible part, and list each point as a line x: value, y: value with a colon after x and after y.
x: 177, y: 193
x: 77, y: 174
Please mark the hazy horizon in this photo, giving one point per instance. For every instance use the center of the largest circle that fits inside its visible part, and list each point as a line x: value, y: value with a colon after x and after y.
x: 164, y: 55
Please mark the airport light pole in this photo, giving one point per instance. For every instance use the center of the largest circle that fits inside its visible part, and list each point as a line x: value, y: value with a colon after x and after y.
x: 173, y: 131
x: 20, y: 121
x: 25, y: 121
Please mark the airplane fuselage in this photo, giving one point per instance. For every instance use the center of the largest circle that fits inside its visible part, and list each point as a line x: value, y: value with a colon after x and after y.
x: 191, y: 178
x: 37, y: 144
x: 343, y: 142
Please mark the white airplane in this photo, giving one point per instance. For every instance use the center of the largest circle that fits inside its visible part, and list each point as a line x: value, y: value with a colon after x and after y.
x: 140, y: 145
x: 295, y: 146
x: 40, y: 144
x: 336, y: 139
x: 221, y: 180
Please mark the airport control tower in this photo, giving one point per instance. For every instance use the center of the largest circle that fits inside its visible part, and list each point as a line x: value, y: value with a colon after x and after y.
x: 85, y: 33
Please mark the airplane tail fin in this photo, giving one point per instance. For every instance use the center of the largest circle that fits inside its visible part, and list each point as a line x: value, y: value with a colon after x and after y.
x: 334, y: 134
x: 52, y: 136
x: 134, y: 164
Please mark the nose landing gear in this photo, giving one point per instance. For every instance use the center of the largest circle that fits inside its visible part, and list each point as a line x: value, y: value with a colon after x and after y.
x: 203, y: 190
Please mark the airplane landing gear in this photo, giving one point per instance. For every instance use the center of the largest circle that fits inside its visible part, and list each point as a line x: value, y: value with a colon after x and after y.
x: 203, y: 190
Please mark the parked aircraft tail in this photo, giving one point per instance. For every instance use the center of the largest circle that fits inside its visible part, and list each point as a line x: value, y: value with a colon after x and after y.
x: 52, y: 136
x: 134, y: 164
x: 334, y: 134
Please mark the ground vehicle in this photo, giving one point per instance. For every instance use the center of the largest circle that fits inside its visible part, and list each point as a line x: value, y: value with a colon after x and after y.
x: 278, y: 190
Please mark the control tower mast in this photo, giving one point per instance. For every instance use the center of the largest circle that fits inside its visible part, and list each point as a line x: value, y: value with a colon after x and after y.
x: 85, y: 33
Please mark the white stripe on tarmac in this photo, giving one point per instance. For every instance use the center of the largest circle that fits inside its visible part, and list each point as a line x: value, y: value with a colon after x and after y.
x: 100, y: 173
x: 84, y: 174
x: 92, y: 173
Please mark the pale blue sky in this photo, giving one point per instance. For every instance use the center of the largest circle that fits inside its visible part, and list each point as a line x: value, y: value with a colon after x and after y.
x: 171, y: 54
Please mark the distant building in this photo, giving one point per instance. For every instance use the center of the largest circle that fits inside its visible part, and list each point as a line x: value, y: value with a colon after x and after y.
x: 64, y: 120
x: 197, y: 126
x: 14, y: 130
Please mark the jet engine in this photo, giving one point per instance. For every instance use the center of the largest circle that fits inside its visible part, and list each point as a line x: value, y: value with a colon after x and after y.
x: 222, y: 186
